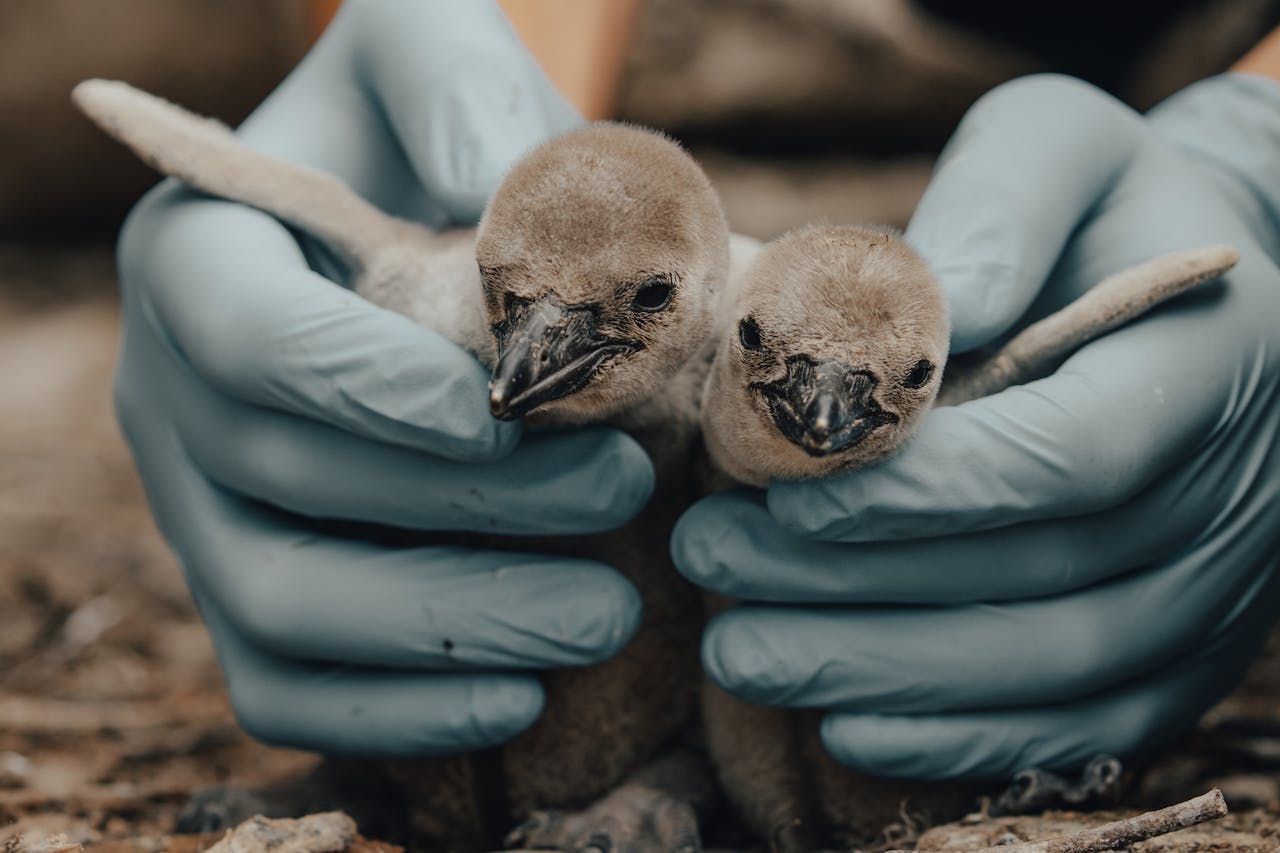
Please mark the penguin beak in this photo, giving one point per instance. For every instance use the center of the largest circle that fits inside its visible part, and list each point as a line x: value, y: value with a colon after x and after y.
x: 824, y: 407
x: 547, y: 350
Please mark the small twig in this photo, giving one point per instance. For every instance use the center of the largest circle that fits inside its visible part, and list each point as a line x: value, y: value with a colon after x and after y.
x: 1122, y: 833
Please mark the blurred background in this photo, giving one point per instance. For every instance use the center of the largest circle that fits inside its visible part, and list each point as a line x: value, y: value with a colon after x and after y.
x: 111, y: 706
x: 800, y: 108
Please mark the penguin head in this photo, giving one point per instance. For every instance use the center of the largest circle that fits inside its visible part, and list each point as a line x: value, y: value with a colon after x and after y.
x: 601, y: 256
x: 834, y: 354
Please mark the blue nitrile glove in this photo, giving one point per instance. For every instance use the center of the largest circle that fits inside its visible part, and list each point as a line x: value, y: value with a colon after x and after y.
x: 258, y: 396
x: 1080, y: 565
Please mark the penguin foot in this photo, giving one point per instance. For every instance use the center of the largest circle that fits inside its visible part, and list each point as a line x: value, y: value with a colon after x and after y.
x: 631, y: 819
x: 1035, y: 790
x: 218, y: 809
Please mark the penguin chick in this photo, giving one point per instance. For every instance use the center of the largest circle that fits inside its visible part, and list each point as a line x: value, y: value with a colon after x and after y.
x: 589, y: 290
x: 830, y: 356
x: 602, y: 256
x: 833, y: 355
x: 840, y: 340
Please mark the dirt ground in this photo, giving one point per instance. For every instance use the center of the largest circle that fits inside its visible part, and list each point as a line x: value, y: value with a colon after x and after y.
x: 112, y: 710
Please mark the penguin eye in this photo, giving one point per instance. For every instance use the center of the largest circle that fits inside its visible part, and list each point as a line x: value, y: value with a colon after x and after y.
x: 653, y: 295
x: 749, y: 334
x: 919, y: 375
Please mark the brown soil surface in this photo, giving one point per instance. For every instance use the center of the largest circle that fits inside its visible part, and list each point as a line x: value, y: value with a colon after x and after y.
x: 112, y: 709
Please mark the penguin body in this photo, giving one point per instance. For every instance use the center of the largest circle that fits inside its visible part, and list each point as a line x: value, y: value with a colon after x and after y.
x: 830, y: 353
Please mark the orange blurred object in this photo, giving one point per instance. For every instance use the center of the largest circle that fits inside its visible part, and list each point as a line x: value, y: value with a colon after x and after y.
x: 581, y: 44
x: 1264, y: 59
x: 319, y: 14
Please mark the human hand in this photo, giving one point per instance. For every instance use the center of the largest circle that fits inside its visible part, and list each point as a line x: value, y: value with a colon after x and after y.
x: 259, y: 399
x: 1083, y: 564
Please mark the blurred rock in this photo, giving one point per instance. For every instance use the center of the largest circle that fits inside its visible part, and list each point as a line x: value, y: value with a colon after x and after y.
x: 327, y: 832
x: 1250, y: 790
x: 788, y: 74
x: 884, y: 75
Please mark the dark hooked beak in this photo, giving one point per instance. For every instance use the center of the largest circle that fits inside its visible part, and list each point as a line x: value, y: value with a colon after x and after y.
x: 824, y: 407
x: 547, y: 350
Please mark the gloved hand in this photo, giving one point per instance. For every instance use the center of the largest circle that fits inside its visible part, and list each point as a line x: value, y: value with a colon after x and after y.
x: 259, y: 398
x: 1083, y: 564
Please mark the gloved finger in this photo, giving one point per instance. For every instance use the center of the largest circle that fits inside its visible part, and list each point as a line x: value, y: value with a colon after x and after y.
x: 934, y: 660
x: 338, y: 709
x: 999, y: 744
x: 1232, y: 121
x: 299, y: 593
x: 1136, y: 718
x: 465, y: 97
x: 563, y: 482
x: 1030, y: 159
x: 231, y: 295
x: 294, y: 591
x: 731, y: 544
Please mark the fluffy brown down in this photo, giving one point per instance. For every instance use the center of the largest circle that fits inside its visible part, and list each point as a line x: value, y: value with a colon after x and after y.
x: 589, y: 218
x: 852, y: 293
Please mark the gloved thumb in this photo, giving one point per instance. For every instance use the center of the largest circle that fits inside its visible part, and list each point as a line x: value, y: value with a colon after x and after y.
x: 1232, y: 121
x: 464, y: 97
x: 1030, y: 160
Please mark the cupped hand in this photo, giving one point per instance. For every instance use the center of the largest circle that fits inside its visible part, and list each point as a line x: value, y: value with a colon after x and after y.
x: 1080, y: 565
x: 261, y: 399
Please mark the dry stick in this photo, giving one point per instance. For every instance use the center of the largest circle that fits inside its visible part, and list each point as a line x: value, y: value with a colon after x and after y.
x: 1122, y: 833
